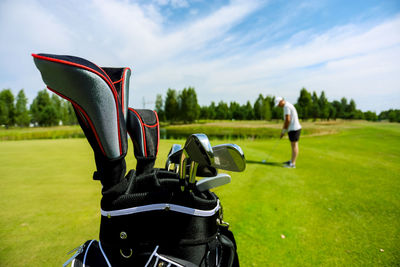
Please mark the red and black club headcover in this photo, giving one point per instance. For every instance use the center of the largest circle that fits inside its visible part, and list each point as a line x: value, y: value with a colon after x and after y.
x: 144, y: 129
x: 120, y: 78
x: 98, y: 106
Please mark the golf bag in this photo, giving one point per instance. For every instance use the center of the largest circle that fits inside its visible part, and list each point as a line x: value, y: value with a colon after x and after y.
x: 146, y: 217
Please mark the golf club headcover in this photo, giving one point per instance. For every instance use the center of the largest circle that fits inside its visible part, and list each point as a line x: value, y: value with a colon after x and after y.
x: 97, y: 106
x: 120, y: 79
x: 144, y: 129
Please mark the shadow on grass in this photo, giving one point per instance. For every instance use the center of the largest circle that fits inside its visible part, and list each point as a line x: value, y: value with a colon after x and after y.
x: 277, y: 164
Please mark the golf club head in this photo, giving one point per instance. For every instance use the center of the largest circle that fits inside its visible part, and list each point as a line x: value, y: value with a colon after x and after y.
x: 206, y: 171
x: 202, y: 170
x: 174, y: 148
x: 198, y: 149
x: 175, y: 156
x: 212, y: 182
x: 229, y: 157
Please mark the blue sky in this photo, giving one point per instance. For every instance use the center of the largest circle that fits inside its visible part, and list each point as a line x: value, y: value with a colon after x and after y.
x: 228, y: 50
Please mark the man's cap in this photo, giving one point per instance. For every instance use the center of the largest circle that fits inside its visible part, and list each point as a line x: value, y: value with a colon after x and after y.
x: 277, y: 100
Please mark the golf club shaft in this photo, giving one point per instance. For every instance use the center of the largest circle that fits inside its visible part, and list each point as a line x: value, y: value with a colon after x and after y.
x: 273, y: 149
x: 192, y: 174
x: 182, y: 171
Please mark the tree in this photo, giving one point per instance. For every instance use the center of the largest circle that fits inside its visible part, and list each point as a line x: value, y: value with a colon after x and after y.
x: 236, y: 111
x: 266, y: 110
x: 342, y: 110
x: 393, y: 115
x: 159, y: 107
x: 358, y: 115
x: 171, y: 106
x: 204, y: 113
x: 323, y: 106
x: 350, y: 110
x: 304, y: 104
x: 258, y: 107
x: 222, y: 111
x: 68, y: 116
x: 315, y: 110
x: 248, y: 111
x: 7, y: 109
x: 370, y: 116
x: 188, y: 106
x: 22, y: 118
x: 43, y: 111
x: 212, y: 111
x: 332, y: 111
x: 337, y: 106
x: 56, y: 102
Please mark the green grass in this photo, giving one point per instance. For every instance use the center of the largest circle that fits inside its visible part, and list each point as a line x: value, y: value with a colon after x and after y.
x: 214, y: 129
x: 56, y: 132
x: 340, y: 207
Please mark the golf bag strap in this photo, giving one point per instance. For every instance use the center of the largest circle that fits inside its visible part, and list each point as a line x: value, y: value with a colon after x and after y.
x: 211, y: 258
x: 90, y: 253
x: 229, y: 249
x: 143, y: 127
x: 94, y: 98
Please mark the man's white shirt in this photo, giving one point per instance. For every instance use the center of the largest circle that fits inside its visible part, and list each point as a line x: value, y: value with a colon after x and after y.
x: 289, y: 109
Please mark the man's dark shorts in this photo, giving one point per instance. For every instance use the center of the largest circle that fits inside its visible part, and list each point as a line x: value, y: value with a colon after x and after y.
x: 294, y: 136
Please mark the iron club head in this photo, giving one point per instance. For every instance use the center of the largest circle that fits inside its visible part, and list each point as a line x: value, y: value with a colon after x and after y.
x: 229, y: 157
x: 174, y: 148
x: 212, y: 182
x: 199, y: 150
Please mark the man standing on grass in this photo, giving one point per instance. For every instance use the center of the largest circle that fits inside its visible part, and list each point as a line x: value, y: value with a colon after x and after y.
x: 292, y: 127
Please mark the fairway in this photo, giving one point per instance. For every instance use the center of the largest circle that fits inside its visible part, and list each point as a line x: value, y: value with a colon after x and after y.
x: 339, y: 207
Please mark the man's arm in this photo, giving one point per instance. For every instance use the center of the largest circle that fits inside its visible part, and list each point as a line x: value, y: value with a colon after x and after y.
x: 285, y: 125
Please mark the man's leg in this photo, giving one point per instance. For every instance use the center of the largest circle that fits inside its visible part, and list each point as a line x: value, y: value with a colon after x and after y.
x: 295, y: 151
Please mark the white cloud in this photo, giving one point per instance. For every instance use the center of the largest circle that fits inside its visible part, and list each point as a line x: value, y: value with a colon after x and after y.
x: 173, y: 3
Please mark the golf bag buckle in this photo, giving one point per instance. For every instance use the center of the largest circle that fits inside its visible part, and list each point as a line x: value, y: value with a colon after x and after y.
x: 157, y: 260
x: 222, y: 223
x: 126, y: 256
x: 123, y: 235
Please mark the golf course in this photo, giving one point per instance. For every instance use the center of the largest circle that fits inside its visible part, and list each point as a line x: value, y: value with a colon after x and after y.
x: 339, y: 207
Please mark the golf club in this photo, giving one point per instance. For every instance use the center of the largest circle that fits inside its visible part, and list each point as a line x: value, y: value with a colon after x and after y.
x: 199, y: 150
x: 202, y: 170
x: 272, y: 150
x: 229, y: 157
x: 172, y: 151
x: 212, y: 182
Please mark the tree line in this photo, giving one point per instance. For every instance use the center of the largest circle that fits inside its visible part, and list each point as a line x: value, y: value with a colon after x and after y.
x: 182, y: 106
x: 45, y: 110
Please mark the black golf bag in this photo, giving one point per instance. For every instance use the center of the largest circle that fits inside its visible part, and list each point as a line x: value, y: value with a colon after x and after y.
x: 146, y: 217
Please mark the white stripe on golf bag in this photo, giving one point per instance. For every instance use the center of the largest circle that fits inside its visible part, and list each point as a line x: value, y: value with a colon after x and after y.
x: 104, y: 255
x: 162, y: 206
x: 87, y: 249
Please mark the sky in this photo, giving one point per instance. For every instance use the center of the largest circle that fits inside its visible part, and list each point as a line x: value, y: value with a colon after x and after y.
x: 227, y: 50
